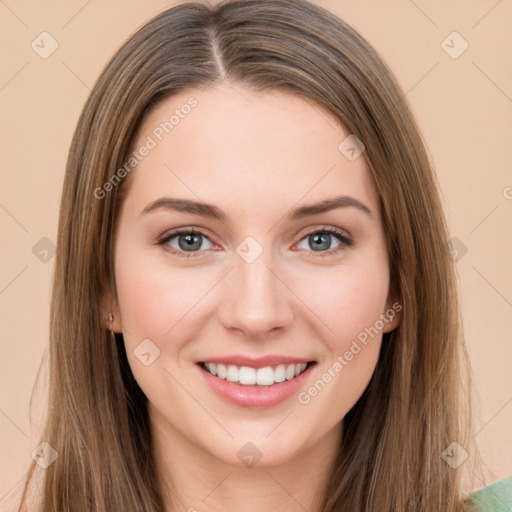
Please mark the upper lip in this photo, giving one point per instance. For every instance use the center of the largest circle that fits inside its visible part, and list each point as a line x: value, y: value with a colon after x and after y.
x: 255, y: 362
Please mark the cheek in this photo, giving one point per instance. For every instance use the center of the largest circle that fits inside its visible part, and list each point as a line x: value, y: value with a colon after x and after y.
x: 153, y: 296
x: 351, y: 306
x: 357, y: 309
x: 350, y: 302
x: 156, y: 303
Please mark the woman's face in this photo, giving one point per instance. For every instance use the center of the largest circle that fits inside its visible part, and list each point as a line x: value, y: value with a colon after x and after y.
x: 260, y: 287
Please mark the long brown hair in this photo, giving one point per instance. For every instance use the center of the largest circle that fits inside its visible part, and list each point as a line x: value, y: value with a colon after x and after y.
x: 415, y: 406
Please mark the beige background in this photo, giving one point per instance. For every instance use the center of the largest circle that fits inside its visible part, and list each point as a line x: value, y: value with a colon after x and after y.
x: 464, y: 108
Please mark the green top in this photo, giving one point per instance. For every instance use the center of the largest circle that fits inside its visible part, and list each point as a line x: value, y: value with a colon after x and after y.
x: 496, y: 497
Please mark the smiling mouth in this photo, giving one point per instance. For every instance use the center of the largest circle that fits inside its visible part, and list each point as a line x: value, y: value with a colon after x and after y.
x: 248, y: 376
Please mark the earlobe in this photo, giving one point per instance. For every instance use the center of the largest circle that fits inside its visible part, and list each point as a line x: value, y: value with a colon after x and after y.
x: 112, y: 322
x: 111, y: 318
x: 393, y: 315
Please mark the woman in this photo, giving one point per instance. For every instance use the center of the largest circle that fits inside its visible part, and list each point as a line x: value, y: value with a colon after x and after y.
x: 249, y: 210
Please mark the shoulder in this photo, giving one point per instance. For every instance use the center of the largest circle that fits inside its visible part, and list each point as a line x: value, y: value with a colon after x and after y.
x: 496, y: 497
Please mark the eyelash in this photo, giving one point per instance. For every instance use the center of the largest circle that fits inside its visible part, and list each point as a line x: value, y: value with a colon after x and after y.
x: 345, y: 241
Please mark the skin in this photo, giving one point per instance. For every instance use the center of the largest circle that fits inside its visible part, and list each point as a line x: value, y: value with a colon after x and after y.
x: 256, y: 156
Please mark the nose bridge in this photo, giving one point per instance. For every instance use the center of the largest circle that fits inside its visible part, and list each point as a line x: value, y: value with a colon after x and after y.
x: 256, y: 300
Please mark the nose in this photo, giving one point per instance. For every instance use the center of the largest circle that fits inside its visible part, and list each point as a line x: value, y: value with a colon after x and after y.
x: 256, y: 299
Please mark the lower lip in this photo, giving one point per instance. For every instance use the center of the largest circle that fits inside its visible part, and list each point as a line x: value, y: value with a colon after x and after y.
x: 253, y: 397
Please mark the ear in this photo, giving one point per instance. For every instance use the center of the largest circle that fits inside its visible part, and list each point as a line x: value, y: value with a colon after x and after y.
x: 108, y: 306
x: 393, y: 313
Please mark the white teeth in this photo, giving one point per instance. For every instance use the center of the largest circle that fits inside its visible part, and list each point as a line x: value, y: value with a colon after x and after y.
x: 249, y: 376
x: 280, y: 373
x: 265, y: 376
x: 232, y: 373
x: 290, y: 372
x: 221, y: 371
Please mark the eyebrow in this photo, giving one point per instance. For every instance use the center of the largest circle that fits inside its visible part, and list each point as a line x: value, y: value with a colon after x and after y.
x: 212, y: 211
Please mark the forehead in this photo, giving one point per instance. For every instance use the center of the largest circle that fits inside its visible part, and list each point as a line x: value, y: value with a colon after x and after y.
x: 233, y: 145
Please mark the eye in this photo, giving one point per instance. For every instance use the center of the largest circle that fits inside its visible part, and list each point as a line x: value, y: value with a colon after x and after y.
x: 320, y: 239
x: 187, y: 241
